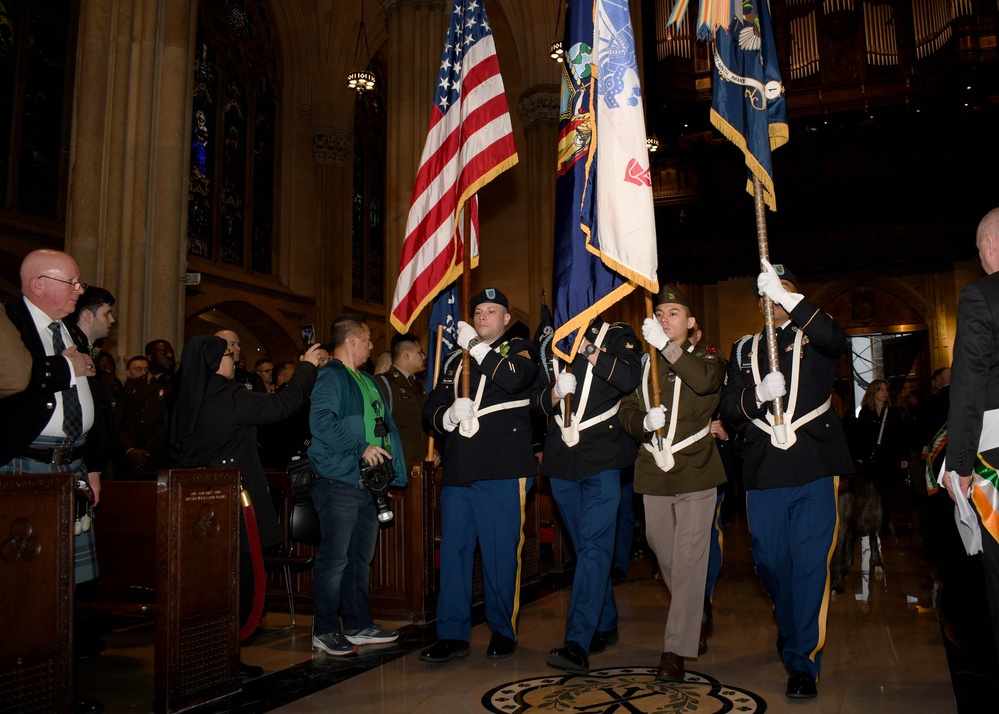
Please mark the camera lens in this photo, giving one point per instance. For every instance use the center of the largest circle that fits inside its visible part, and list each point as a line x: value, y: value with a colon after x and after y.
x: 385, y: 513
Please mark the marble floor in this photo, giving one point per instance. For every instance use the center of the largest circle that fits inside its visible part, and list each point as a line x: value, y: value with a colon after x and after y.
x: 883, y: 654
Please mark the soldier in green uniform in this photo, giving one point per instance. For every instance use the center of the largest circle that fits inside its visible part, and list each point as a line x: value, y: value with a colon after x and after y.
x: 403, y: 391
x: 677, y: 472
x: 143, y: 438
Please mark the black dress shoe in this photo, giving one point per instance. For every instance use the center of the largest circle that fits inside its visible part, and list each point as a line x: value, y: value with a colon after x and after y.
x: 602, y: 639
x: 83, y: 705
x: 445, y: 650
x: 500, y: 646
x: 618, y: 576
x: 800, y: 686
x: 249, y: 671
x: 571, y: 657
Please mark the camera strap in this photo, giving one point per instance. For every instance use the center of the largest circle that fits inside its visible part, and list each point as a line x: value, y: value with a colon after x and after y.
x: 373, y: 409
x: 388, y: 391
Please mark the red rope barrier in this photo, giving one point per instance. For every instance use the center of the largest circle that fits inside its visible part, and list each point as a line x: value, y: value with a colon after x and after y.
x: 257, y: 558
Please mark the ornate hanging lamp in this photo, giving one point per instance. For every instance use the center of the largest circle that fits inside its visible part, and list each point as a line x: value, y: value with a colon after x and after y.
x: 361, y: 80
x: 555, y: 51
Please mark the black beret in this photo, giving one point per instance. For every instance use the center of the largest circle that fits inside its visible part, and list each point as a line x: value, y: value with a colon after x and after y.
x: 490, y: 295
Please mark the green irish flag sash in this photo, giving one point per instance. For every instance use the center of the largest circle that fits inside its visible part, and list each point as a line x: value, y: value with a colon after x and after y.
x: 985, y: 495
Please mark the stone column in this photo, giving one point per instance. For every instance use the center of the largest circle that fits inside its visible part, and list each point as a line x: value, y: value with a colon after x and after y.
x: 331, y: 150
x: 415, y: 38
x: 538, y: 109
x: 129, y: 154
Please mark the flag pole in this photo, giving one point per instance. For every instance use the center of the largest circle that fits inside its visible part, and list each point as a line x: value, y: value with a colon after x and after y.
x: 653, y: 364
x: 437, y: 372
x: 780, y: 429
x: 466, y: 291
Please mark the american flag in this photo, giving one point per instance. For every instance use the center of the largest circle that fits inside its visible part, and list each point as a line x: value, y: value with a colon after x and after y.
x: 470, y: 141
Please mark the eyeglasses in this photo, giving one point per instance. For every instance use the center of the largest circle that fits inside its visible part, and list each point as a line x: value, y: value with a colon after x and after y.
x: 75, y: 283
x: 264, y: 371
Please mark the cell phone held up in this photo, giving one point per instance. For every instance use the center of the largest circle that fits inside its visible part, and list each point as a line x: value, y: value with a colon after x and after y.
x: 308, y: 336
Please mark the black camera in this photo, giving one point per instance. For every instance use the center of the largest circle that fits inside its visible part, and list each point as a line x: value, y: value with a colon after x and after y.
x: 377, y: 480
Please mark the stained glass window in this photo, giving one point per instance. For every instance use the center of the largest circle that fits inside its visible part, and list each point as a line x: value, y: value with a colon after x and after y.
x: 368, y: 205
x: 233, y: 129
x: 35, y: 46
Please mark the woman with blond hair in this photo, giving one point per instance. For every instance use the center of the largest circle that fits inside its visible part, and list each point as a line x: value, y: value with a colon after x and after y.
x: 880, y: 448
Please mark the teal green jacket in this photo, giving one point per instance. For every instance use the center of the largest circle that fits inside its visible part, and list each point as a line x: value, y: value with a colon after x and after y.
x: 336, y: 419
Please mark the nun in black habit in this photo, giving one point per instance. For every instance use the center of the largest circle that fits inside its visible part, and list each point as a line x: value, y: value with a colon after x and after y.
x: 213, y: 422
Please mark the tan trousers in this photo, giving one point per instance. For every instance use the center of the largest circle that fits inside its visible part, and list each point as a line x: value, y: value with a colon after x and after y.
x: 678, y: 529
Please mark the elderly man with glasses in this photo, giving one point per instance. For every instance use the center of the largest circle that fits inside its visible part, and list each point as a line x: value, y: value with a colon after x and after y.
x: 62, y: 420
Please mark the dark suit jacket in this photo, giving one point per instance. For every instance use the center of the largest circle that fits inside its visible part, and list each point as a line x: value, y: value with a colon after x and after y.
x: 24, y: 415
x: 927, y: 418
x: 974, y: 384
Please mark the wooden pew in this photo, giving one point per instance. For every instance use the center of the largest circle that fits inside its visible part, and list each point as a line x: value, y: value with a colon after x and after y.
x: 170, y: 548
x: 404, y: 585
x: 197, y: 587
x: 36, y: 592
x: 125, y: 538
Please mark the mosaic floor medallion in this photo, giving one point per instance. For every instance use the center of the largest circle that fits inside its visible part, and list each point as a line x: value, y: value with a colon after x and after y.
x: 628, y: 690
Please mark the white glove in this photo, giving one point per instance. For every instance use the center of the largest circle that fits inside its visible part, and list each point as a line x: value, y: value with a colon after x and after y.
x: 565, y: 384
x: 466, y: 333
x: 463, y: 409
x: 653, y: 333
x: 769, y: 284
x: 771, y: 387
x: 479, y: 351
x: 655, y: 419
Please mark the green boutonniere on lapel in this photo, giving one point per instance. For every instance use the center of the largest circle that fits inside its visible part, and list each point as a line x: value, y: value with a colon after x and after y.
x: 504, y: 349
x: 94, y: 351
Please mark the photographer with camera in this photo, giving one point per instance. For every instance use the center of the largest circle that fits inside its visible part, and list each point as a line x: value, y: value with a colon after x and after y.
x: 356, y: 455
x: 489, y: 467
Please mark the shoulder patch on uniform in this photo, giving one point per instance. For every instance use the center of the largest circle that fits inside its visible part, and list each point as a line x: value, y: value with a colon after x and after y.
x: 629, y: 345
x: 524, y: 353
x: 451, y: 364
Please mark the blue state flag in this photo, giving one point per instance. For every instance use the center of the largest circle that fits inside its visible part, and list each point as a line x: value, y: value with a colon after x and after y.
x: 605, y: 240
x: 543, y: 338
x: 445, y: 314
x: 748, y: 104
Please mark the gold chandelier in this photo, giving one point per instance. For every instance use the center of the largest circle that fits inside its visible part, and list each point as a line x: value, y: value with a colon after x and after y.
x: 361, y: 80
x: 556, y: 52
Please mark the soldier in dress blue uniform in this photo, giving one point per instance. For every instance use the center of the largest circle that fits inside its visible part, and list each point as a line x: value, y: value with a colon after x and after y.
x: 584, y: 462
x: 489, y: 467
x: 791, y: 484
